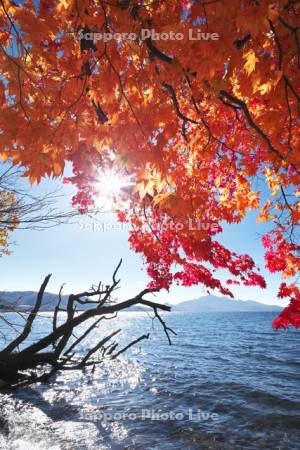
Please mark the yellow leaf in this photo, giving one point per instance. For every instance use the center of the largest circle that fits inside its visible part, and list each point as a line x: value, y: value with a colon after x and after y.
x: 251, y: 61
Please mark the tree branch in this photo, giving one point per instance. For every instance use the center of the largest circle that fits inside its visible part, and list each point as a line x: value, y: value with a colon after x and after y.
x: 28, y: 325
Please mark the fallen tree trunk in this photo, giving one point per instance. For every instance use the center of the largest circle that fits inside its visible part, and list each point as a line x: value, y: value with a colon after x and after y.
x: 57, y: 350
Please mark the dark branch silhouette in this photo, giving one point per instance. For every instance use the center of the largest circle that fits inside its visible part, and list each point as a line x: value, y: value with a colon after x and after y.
x: 27, y: 360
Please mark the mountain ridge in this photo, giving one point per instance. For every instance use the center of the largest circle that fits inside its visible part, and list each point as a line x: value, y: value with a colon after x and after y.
x: 24, y: 300
x: 211, y: 303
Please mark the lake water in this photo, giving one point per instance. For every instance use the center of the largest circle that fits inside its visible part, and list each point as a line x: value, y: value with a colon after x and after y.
x: 227, y: 382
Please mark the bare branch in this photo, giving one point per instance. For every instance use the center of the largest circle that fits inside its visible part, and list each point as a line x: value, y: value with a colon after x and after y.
x: 16, y: 365
x: 144, y: 336
x: 28, y: 325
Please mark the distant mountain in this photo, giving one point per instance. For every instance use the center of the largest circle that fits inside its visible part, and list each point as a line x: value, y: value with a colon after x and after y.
x: 211, y: 303
x: 25, y: 300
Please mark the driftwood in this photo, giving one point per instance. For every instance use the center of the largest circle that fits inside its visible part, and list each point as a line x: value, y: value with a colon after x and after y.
x: 22, y: 364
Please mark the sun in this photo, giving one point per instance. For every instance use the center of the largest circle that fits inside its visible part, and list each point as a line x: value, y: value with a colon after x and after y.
x: 111, y: 188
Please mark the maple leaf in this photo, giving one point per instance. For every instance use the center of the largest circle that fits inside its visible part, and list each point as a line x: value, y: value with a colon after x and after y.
x: 251, y: 60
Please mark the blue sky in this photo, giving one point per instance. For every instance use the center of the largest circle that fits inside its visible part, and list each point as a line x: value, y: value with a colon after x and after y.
x: 81, y: 254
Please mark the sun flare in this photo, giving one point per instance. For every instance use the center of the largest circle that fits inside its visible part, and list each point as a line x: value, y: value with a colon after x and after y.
x: 111, y: 187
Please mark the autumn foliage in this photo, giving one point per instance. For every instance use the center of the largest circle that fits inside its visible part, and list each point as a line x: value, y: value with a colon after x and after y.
x: 7, y: 215
x: 194, y: 123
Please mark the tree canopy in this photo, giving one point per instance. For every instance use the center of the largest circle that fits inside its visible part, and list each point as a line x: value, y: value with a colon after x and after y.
x: 194, y: 120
